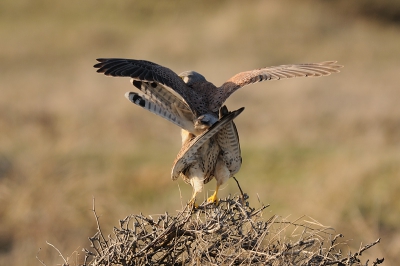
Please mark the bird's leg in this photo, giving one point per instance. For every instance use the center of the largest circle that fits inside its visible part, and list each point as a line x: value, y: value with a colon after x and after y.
x: 221, y: 175
x: 214, y: 197
x: 197, y: 182
x: 192, y: 201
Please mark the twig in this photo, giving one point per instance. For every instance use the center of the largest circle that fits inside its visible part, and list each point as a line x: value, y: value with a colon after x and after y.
x: 37, y: 257
x: 98, y: 223
x: 231, y: 233
x: 241, y: 191
x: 59, y: 253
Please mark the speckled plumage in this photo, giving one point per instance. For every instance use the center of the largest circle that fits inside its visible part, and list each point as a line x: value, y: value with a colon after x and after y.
x: 192, y: 103
x: 205, y: 153
x: 210, y: 154
x: 203, y: 96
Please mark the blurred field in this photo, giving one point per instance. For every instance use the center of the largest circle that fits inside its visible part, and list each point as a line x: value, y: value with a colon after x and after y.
x: 325, y: 147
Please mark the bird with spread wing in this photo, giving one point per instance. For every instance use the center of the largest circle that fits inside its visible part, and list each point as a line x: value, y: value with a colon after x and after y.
x: 219, y: 156
x: 210, y: 143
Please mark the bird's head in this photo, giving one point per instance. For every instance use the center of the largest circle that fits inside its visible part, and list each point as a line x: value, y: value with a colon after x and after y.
x: 205, y: 121
x: 191, y: 77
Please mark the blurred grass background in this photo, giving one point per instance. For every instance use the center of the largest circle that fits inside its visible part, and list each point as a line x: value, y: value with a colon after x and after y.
x: 325, y: 147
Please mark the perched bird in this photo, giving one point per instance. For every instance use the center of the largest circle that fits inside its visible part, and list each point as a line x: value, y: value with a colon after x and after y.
x: 213, y: 154
x: 193, y: 103
x: 218, y: 156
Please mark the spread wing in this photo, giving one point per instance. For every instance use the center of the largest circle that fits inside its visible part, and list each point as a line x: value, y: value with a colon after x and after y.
x: 274, y: 73
x: 187, y: 154
x: 142, y: 70
x: 160, y: 101
x: 158, y: 93
x: 171, y: 113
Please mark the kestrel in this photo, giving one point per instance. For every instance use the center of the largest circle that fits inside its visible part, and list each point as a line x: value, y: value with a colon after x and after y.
x: 200, y: 158
x: 213, y: 154
x: 200, y: 101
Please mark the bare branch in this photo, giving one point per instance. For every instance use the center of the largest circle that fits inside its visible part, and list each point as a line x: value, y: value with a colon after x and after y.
x: 232, y: 233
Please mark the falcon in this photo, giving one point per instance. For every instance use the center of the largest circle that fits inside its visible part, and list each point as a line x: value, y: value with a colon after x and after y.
x: 194, y: 104
x: 199, y: 159
x: 214, y: 153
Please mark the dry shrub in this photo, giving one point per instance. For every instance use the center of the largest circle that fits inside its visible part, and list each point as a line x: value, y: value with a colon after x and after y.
x: 232, y: 233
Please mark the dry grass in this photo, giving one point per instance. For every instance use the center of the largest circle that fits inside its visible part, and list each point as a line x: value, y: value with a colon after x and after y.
x: 317, y: 147
x: 233, y: 233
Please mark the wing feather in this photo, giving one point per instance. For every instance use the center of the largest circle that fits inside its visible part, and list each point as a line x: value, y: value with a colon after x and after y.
x: 273, y: 73
x: 158, y: 93
x: 187, y: 154
x: 148, y: 71
x: 228, y: 141
x: 159, y: 109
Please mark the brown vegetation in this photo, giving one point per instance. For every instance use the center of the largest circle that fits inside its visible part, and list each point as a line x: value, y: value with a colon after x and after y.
x: 233, y: 233
x: 324, y: 147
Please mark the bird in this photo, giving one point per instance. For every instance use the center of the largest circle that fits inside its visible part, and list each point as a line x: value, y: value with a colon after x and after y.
x: 202, y: 96
x: 212, y: 154
x: 200, y: 103
x: 221, y: 161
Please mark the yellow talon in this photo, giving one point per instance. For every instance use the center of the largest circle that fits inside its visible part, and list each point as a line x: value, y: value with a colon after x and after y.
x: 214, y: 197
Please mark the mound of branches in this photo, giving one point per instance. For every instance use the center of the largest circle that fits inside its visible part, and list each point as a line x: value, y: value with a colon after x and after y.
x: 232, y: 233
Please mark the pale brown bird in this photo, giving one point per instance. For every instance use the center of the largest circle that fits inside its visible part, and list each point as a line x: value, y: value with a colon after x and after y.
x: 213, y: 154
x: 199, y: 100
x: 218, y: 156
